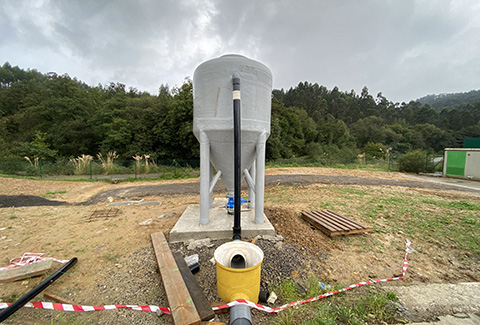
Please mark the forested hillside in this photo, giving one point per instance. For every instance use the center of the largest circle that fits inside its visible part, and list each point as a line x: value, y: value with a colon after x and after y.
x: 58, y: 117
x: 450, y: 101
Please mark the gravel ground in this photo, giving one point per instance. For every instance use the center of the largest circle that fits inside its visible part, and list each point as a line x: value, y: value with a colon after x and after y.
x: 139, y: 282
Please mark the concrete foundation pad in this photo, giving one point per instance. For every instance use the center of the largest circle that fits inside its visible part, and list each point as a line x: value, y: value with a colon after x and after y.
x: 220, y: 224
x: 431, y: 300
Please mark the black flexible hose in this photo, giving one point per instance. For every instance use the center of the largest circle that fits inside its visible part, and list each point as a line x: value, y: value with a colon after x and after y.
x: 35, y: 291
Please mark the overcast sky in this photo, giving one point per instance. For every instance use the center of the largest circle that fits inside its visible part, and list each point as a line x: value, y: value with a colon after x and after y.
x: 403, y: 48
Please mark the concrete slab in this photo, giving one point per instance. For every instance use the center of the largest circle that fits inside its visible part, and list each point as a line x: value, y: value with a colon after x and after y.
x: 463, y: 319
x: 150, y: 203
x: 220, y: 224
x: 425, y: 301
x: 114, y: 204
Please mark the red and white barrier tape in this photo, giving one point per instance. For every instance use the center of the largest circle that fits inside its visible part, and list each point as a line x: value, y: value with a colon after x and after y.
x: 29, y: 258
x: 66, y: 307
x: 296, y: 303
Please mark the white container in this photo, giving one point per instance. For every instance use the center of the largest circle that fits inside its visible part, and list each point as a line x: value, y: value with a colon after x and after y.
x: 213, y: 125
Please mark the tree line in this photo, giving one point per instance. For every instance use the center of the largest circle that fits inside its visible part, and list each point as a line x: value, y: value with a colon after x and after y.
x: 53, y: 116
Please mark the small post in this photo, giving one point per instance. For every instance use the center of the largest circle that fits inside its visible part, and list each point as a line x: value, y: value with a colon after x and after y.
x: 91, y: 169
x: 426, y: 162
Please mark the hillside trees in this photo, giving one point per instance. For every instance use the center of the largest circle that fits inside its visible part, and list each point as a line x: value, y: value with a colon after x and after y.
x: 174, y: 132
x: 71, y: 118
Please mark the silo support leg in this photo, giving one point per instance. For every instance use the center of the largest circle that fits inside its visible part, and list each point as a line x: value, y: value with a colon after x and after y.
x: 260, y: 178
x: 210, y: 192
x: 249, y: 177
x: 204, y: 178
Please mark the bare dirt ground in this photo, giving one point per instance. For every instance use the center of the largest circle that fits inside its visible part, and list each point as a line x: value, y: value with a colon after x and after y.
x: 117, y: 265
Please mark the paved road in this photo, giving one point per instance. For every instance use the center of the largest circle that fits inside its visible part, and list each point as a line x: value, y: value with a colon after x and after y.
x: 193, y: 188
x: 457, y: 182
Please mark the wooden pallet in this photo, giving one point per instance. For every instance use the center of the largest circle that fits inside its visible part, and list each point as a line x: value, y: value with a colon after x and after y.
x: 334, y: 224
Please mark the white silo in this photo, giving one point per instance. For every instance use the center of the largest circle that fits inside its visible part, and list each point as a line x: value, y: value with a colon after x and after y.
x: 213, y: 126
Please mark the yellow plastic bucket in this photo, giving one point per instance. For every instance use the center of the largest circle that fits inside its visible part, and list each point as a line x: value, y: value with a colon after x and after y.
x: 233, y: 283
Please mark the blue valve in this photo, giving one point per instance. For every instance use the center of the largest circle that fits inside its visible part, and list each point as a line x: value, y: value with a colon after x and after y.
x: 231, y: 202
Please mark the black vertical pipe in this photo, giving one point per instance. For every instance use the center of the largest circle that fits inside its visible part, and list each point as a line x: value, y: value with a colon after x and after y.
x: 237, y: 157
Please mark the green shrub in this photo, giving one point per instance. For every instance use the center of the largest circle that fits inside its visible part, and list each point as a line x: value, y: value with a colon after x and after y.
x: 313, y: 150
x: 12, y: 165
x: 412, y: 162
x: 375, y: 150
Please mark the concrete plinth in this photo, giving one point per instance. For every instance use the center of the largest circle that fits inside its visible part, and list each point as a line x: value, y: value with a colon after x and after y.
x: 220, y: 224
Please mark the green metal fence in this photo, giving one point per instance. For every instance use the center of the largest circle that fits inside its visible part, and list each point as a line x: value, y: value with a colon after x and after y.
x: 98, y: 169
x: 174, y: 168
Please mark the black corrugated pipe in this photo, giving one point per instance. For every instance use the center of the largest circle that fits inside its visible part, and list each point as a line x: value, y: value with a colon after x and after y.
x: 35, y: 291
x: 237, y: 156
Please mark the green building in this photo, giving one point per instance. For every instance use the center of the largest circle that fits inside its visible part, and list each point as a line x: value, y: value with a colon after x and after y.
x: 471, y: 143
x: 462, y: 162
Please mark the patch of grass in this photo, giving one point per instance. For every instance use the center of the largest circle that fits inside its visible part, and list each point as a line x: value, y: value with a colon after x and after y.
x: 447, y: 221
x: 65, y: 319
x: 19, y: 176
x: 326, y: 205
x: 314, y: 287
x: 460, y: 205
x: 347, y: 190
x: 380, y: 230
x: 464, y: 205
x: 470, y: 220
x: 111, y: 257
x: 377, y: 305
x: 323, y: 314
x: 51, y: 195
x: 396, y: 201
x: 288, y: 290
x: 286, y: 317
x: 362, y: 307
x: 12, y: 298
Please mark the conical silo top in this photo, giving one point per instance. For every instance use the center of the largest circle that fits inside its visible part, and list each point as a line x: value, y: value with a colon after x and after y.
x: 213, y: 108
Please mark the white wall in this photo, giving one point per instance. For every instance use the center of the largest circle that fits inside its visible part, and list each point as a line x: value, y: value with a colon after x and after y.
x: 472, y: 164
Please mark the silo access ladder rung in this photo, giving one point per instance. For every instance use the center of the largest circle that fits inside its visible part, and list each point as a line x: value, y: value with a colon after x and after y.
x: 334, y: 224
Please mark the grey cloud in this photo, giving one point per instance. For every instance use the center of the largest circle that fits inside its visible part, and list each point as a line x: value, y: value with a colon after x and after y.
x: 404, y: 49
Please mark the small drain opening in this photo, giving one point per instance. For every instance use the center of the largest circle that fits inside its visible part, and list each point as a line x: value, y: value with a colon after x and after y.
x: 238, y: 262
